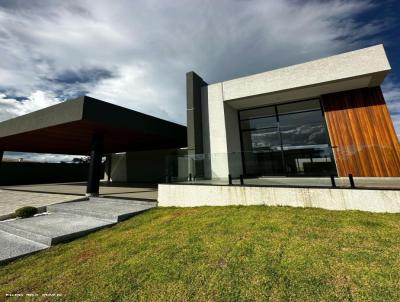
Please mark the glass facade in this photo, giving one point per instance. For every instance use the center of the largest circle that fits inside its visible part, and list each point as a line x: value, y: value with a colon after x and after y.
x: 286, y: 140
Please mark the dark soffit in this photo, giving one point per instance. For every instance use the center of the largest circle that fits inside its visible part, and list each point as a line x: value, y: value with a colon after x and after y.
x: 67, y: 128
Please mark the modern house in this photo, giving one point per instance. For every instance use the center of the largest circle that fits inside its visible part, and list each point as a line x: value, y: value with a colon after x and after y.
x: 320, y: 118
x: 324, y: 118
x: 313, y: 123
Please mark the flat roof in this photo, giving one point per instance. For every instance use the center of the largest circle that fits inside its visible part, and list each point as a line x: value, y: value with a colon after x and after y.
x: 67, y: 128
x: 360, y: 68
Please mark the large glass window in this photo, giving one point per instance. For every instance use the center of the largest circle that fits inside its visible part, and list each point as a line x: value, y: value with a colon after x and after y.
x: 287, y: 139
x: 261, y: 140
x: 259, y: 123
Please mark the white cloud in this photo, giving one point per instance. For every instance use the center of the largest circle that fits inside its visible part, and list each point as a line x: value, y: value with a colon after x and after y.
x: 148, y: 46
x: 37, y: 100
x: 136, y: 53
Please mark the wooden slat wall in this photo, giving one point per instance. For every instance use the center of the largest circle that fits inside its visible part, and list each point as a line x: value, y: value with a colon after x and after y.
x: 362, y: 133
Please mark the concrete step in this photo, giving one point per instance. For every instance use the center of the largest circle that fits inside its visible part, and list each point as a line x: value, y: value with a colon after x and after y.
x: 53, y: 228
x: 63, y: 222
x: 114, y: 210
x: 13, y: 247
x: 125, y: 200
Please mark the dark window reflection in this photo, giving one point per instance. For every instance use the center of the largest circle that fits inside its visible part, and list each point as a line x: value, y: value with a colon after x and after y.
x: 304, y: 135
x: 258, y: 112
x: 259, y: 123
x: 258, y: 140
x: 293, y: 143
x: 301, y: 118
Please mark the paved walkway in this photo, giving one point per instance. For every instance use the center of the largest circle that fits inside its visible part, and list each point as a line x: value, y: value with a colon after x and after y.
x: 125, y: 190
x: 14, y: 197
x: 12, y: 200
x: 64, y: 222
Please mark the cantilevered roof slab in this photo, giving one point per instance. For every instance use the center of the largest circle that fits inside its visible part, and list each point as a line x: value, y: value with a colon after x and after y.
x: 68, y: 127
x: 361, y: 68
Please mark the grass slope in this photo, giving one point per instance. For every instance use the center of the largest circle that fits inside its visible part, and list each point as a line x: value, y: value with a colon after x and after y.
x: 253, y: 253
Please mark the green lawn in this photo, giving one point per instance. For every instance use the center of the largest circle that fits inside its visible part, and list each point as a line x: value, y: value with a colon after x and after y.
x: 253, y: 253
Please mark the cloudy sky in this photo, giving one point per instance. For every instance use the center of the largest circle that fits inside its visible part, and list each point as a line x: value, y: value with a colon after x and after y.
x: 136, y: 53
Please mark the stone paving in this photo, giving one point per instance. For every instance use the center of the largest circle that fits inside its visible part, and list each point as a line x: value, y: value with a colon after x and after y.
x: 12, y: 200
x: 64, y: 222
x: 13, y: 247
x: 40, y: 195
x: 125, y: 190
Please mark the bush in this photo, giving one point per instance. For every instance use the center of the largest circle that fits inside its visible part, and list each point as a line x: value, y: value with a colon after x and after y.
x: 26, y: 212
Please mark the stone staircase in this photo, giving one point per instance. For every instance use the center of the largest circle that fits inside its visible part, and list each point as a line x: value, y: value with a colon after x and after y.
x: 64, y: 222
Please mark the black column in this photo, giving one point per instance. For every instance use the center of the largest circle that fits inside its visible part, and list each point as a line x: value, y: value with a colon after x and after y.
x: 96, y: 153
x: 194, y: 115
x: 194, y: 119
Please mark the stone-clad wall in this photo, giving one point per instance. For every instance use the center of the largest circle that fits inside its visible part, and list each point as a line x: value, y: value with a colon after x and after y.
x: 326, y: 198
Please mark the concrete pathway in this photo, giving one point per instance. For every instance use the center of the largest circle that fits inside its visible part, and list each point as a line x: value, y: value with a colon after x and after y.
x: 63, y: 222
x: 114, y: 210
x: 13, y: 246
x: 12, y: 200
x: 123, y: 190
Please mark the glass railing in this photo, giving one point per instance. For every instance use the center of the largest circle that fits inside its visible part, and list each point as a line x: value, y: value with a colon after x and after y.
x: 294, y: 167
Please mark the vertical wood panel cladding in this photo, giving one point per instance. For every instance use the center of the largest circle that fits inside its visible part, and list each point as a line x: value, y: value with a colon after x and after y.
x: 362, y: 133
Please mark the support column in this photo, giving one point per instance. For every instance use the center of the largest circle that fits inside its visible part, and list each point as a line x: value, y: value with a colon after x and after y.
x: 194, y: 121
x: 96, y: 153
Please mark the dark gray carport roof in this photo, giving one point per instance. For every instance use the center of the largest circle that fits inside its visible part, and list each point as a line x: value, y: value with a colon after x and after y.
x: 67, y: 128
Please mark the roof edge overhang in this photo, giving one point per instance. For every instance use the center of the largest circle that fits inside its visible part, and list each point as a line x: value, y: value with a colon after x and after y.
x: 306, y: 92
x: 62, y: 113
x: 361, y: 68
x: 68, y: 128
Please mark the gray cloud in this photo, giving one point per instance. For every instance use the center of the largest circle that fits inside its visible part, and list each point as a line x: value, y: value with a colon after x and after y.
x: 136, y: 53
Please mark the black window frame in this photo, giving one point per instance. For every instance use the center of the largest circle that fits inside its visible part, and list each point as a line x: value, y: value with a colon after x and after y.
x: 277, y: 115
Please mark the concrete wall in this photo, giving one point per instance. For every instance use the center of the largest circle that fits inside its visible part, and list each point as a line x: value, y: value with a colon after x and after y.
x: 118, y: 167
x: 326, y: 198
x: 206, y: 132
x: 217, y: 130
x: 18, y: 173
x: 221, y: 137
x: 145, y: 166
x: 233, y: 141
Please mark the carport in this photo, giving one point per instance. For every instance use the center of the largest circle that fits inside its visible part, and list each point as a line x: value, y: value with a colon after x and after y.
x: 88, y: 126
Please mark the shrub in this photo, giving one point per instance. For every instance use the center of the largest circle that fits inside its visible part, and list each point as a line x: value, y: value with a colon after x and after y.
x: 26, y: 212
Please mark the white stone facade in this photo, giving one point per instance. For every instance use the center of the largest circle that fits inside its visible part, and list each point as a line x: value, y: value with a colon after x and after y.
x: 221, y: 101
x: 381, y: 201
